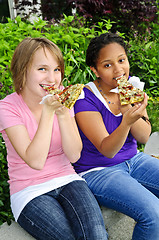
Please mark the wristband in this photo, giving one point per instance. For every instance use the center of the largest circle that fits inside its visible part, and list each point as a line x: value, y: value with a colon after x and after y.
x: 146, y: 119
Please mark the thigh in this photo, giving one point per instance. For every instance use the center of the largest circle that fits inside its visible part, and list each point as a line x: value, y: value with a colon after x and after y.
x: 82, y: 211
x: 44, y: 218
x: 145, y: 169
x: 114, y: 188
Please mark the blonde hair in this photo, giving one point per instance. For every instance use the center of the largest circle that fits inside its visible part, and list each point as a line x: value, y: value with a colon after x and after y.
x: 23, y: 55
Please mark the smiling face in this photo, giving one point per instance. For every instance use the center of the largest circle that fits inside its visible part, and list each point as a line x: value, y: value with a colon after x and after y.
x: 111, y: 64
x: 44, y: 69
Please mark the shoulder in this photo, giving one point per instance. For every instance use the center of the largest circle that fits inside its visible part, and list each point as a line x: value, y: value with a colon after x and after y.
x: 9, y: 98
x: 10, y: 101
x: 13, y: 104
x: 8, y: 111
x: 87, y: 101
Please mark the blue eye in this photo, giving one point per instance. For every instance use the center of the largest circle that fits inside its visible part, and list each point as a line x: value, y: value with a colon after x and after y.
x: 42, y: 69
x: 57, y: 69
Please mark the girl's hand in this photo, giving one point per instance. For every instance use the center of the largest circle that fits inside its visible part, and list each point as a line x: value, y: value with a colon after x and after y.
x: 54, y: 105
x: 132, y: 113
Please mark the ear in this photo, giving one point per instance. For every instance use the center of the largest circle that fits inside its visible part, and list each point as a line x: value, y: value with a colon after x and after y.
x: 95, y: 71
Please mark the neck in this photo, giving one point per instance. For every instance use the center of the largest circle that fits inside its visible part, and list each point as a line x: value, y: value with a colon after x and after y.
x: 31, y: 102
x: 102, y: 90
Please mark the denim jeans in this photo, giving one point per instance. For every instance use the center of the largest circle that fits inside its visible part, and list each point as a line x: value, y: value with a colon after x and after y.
x: 67, y: 213
x: 132, y: 188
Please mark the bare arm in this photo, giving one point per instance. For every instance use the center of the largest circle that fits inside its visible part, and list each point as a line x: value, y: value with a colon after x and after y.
x: 141, y: 129
x: 34, y: 152
x: 71, y: 141
x: 93, y: 127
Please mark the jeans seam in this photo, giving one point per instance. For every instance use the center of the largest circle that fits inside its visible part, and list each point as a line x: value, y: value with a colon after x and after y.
x: 75, y: 213
x: 147, y: 184
x: 34, y: 224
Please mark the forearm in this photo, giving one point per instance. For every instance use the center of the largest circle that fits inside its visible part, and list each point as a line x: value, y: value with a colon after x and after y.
x: 71, y: 141
x: 141, y: 130
x: 111, y: 144
x: 37, y: 151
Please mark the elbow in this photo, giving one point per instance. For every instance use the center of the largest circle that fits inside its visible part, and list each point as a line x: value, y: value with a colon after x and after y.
x: 107, y: 152
x: 36, y: 166
x: 75, y: 157
x: 109, y: 155
x: 144, y: 140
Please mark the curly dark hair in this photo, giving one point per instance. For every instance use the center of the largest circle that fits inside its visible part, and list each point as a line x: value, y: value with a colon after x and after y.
x: 97, y: 43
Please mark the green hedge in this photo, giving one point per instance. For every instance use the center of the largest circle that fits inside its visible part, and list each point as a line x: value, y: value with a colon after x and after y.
x: 72, y: 36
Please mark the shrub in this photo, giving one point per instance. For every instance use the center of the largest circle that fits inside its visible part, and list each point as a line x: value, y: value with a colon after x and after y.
x: 5, y: 211
x: 144, y: 58
x: 70, y: 35
x: 127, y: 14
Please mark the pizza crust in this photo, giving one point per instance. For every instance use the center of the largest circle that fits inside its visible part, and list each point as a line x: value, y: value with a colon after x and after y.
x: 128, y: 93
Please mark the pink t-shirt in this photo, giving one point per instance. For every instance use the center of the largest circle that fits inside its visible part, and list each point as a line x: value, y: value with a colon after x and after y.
x: 14, y: 111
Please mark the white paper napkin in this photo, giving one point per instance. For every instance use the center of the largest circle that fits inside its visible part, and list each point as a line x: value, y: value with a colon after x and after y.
x: 43, y: 99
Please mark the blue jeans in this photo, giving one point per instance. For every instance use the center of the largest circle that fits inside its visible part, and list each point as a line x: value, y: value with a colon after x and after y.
x: 132, y: 188
x: 67, y: 213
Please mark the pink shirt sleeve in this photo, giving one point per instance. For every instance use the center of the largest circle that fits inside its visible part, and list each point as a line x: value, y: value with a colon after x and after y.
x: 9, y: 115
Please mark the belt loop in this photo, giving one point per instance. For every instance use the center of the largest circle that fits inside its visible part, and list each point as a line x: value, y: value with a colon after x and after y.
x: 127, y: 163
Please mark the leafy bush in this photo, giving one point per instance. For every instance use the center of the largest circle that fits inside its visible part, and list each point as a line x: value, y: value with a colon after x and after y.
x: 5, y: 211
x: 126, y: 14
x: 72, y: 35
x: 144, y: 58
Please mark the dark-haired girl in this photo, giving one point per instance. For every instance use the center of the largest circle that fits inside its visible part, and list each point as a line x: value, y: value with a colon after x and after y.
x: 120, y: 177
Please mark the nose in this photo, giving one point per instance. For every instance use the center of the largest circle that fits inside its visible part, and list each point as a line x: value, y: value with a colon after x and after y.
x: 117, y: 68
x: 51, y: 76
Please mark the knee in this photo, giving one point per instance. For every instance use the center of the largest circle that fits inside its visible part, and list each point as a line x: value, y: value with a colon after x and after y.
x: 152, y: 219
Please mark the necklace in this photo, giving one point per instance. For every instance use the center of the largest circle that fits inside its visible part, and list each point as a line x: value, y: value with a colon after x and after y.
x: 103, y: 94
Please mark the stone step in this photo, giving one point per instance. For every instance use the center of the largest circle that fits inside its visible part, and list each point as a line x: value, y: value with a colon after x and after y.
x: 119, y: 227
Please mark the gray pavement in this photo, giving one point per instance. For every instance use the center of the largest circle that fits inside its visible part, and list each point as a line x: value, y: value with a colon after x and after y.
x: 119, y: 227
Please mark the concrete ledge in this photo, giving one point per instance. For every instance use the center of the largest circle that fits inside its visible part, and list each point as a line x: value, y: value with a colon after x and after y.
x: 14, y: 232
x: 119, y: 227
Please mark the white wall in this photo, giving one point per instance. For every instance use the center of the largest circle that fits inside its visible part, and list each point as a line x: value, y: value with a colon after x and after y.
x: 27, y: 10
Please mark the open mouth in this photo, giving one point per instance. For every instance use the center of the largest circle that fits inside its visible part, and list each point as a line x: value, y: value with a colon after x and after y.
x: 47, y: 87
x: 117, y: 78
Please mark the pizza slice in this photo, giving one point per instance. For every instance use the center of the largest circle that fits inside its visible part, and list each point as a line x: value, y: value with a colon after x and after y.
x: 68, y: 96
x: 128, y: 93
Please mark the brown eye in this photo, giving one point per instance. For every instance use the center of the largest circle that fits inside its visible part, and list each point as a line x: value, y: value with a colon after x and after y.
x: 121, y: 60
x: 107, y: 65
